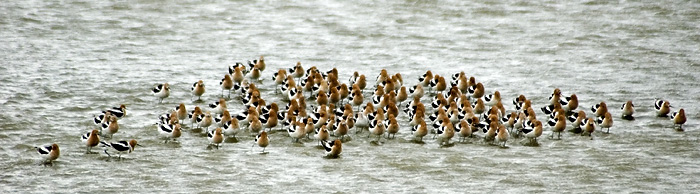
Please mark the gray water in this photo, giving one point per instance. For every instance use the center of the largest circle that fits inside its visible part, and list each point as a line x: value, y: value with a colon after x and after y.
x: 64, y: 61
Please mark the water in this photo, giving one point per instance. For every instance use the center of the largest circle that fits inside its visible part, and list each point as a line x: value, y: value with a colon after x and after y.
x: 63, y: 61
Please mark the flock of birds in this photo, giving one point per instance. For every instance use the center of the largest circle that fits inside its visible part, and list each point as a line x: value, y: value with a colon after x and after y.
x: 459, y: 107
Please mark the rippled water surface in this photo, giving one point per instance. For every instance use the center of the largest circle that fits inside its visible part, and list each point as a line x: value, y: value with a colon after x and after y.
x: 64, y: 61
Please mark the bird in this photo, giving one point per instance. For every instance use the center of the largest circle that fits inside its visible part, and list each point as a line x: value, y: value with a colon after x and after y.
x: 121, y: 147
x: 181, y: 112
x: 678, y: 118
x: 269, y: 120
x: 91, y: 139
x: 296, y: 130
x: 321, y: 134
x: 491, y: 99
x: 599, y: 109
x: 219, y: 106
x: 532, y: 130
x: 420, y: 130
x: 195, y: 115
x: 576, y: 119
x: 110, y: 127
x: 662, y: 108
x: 231, y: 128
x: 588, y: 126
x: 445, y: 133
x: 376, y: 127
x: 118, y: 112
x: 558, y: 125
x: 205, y: 120
x: 392, y: 126
x: 605, y: 121
x: 215, y: 137
x: 569, y: 103
x: 101, y: 118
x: 161, y: 91
x: 333, y: 148
x: 502, y: 135
x: 49, y: 153
x: 197, y: 89
x: 226, y: 84
x: 627, y: 110
x: 341, y: 128
x: 464, y: 129
x: 262, y: 140
x: 169, y: 131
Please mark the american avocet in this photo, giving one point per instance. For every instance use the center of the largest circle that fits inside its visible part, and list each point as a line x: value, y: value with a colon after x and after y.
x: 558, y: 125
x: 627, y: 110
x: 297, y: 71
x: 341, y: 128
x: 464, y: 129
x: 169, y: 131
x: 226, y: 84
x: 555, y: 97
x: 569, y: 103
x: 279, y: 78
x: 334, y: 96
x: 490, y: 134
x: 110, y: 127
x: 296, y: 130
x: 532, y: 130
x: 377, y: 127
x: 232, y: 68
x: 392, y: 126
x: 255, y: 125
x: 599, y: 109
x: 420, y: 130
x: 237, y: 73
x: 476, y: 91
x: 440, y: 84
x: 91, y: 139
x: 478, y: 107
x: 445, y: 132
x: 605, y: 121
x: 197, y: 89
x: 262, y: 140
x: 49, y: 153
x: 121, y: 147
x: 231, y: 128
x: 181, y: 112
x: 588, y: 126
x: 215, y: 137
x: 161, y: 91
x: 205, y: 120
x: 118, y: 112
x: 662, y: 108
x: 219, y: 106
x: 270, y: 120
x: 260, y: 64
x: 333, y: 148
x: 194, y: 115
x: 101, y: 118
x: 502, y: 135
x: 679, y: 118
x: 424, y: 80
x: 576, y: 119
x: 492, y: 99
x: 254, y: 74
x: 416, y: 91
x: 322, y: 134
x: 309, y: 126
x: 223, y: 118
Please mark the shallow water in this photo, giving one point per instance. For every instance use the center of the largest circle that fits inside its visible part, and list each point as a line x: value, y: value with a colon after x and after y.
x: 64, y: 61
